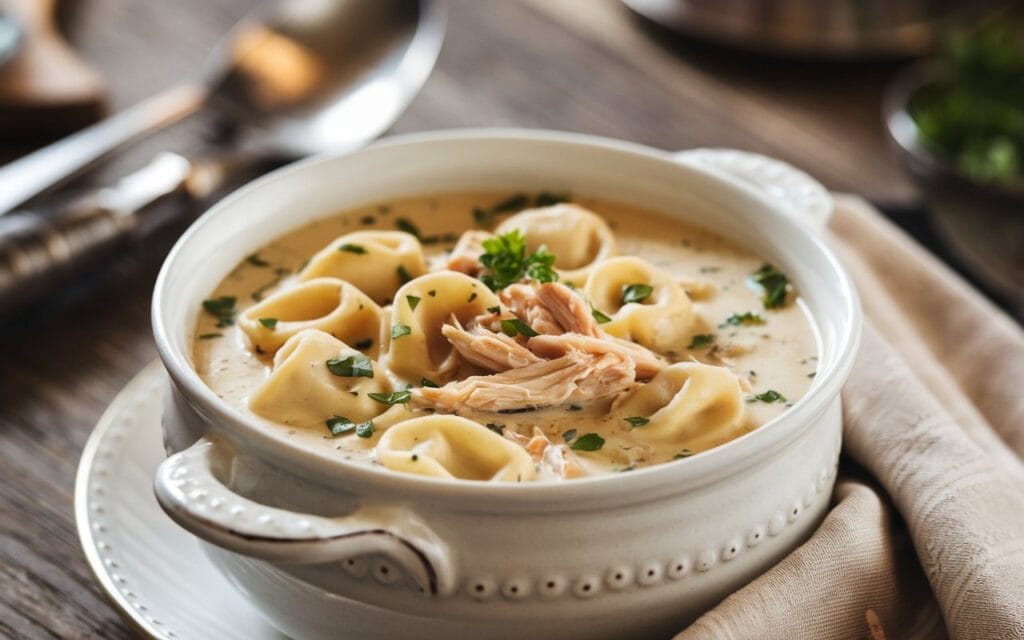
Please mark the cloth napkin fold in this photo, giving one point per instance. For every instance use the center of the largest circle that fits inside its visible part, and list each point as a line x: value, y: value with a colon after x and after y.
x: 925, y: 538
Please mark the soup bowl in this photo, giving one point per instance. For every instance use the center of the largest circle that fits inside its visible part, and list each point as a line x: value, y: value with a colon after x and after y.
x: 328, y: 548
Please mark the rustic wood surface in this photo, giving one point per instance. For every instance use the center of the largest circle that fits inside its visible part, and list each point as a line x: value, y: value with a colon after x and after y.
x: 565, y: 64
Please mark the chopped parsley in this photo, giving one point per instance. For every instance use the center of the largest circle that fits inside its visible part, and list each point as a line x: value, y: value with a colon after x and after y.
x: 515, y: 326
x: 774, y: 283
x: 357, y: 249
x: 599, y: 317
x: 746, y: 319
x: 701, y: 340
x: 588, y: 442
x: 210, y: 336
x: 546, y: 199
x: 270, y: 323
x: 400, y: 330
x: 637, y: 421
x: 406, y: 225
x: 506, y: 260
x: 365, y: 343
x: 413, y: 301
x: 444, y: 238
x: 367, y: 220
x: 365, y: 429
x: 574, y: 407
x: 354, y: 366
x: 636, y: 292
x: 685, y: 453
x: 494, y: 309
x: 472, y: 297
x: 432, y: 293
x: 395, y: 397
x: 222, y: 308
x: 495, y: 427
x: 403, y: 274
x: 569, y: 435
x: 513, y: 203
x: 770, y: 395
x: 256, y: 261
x: 809, y: 375
x: 340, y: 425
x: 427, y: 382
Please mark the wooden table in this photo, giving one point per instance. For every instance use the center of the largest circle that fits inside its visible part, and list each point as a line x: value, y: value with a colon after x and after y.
x: 537, y: 63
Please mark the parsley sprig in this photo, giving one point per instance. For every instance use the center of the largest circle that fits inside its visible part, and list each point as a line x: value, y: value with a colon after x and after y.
x: 774, y: 283
x: 506, y: 260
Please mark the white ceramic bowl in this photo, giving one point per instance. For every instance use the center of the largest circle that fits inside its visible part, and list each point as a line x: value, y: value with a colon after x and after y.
x: 329, y: 548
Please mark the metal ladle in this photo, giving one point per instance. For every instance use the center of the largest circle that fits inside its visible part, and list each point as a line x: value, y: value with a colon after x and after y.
x: 303, y: 77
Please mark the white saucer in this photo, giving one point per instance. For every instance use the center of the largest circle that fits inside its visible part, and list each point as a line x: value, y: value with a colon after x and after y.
x: 153, y: 572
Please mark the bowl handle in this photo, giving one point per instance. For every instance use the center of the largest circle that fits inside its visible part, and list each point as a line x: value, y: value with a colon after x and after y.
x: 797, y: 193
x: 188, y: 489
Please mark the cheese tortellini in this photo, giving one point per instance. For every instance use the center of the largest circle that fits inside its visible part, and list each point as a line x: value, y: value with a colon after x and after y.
x: 376, y: 262
x: 688, y: 405
x: 578, y: 237
x: 660, y: 321
x: 453, y: 447
x: 423, y: 306
x: 302, y: 390
x: 328, y: 304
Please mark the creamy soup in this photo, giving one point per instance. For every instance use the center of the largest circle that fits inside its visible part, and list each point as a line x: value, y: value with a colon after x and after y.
x: 506, y: 338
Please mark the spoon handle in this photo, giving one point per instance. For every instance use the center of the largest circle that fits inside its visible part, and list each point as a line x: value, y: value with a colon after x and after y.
x: 40, y: 170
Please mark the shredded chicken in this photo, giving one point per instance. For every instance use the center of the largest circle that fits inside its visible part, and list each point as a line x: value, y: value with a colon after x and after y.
x: 537, y: 444
x: 647, y: 363
x: 567, y: 308
x: 488, y: 349
x: 465, y: 256
x: 563, y: 462
x: 576, y: 377
x: 522, y: 301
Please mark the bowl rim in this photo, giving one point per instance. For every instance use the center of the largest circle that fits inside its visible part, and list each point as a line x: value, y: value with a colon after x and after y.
x: 675, y: 477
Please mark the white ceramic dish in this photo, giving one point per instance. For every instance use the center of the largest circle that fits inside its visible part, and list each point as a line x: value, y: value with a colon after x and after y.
x: 317, y: 542
x: 152, y: 571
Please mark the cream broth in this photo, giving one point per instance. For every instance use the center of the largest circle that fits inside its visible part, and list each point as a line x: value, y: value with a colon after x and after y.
x: 771, y: 353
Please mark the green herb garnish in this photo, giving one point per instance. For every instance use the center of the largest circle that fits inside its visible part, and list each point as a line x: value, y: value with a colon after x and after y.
x: 269, y: 323
x: 354, y: 366
x: 222, y: 308
x: 636, y: 292
x: 340, y: 425
x: 403, y: 274
x: 746, y: 319
x: 400, y: 330
x: 569, y: 435
x: 396, y: 397
x: 472, y: 297
x: 495, y: 427
x: 637, y: 421
x: 599, y: 317
x: 546, y: 199
x: 588, y: 442
x: 363, y: 344
x: 413, y: 301
x: 494, y: 309
x: 701, y: 340
x: 365, y: 429
x: 256, y: 261
x: 515, y: 326
x: 685, y: 453
x: 432, y: 293
x: 210, y: 336
x: 426, y: 382
x: 507, y: 263
x: 574, y: 407
x: 770, y: 395
x: 357, y: 249
x: 774, y: 283
x: 406, y: 225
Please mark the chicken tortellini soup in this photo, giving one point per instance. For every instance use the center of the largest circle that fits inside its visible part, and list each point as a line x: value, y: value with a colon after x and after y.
x: 506, y: 339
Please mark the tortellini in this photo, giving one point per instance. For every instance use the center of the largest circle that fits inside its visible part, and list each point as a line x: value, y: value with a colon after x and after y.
x: 421, y: 308
x: 377, y: 262
x: 303, y: 391
x: 453, y: 447
x: 576, y: 236
x: 690, y: 405
x: 660, y: 320
x: 328, y: 304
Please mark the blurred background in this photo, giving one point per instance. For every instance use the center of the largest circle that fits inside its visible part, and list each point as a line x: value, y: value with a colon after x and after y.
x: 916, y: 105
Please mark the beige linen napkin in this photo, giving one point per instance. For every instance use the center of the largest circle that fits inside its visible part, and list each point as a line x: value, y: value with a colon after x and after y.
x: 931, y: 543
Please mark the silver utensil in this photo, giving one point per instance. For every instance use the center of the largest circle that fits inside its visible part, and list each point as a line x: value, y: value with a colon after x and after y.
x: 319, y: 75
x: 293, y: 74
x: 11, y: 37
